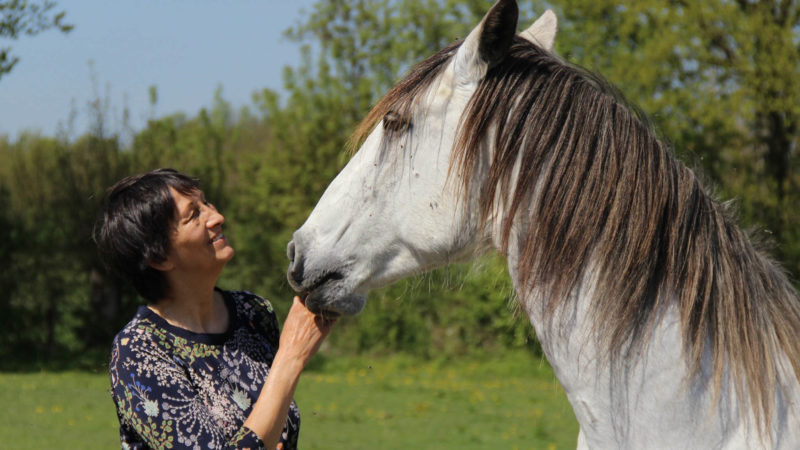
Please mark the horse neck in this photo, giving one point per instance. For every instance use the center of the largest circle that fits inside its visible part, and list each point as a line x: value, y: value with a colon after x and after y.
x: 648, y: 402
x: 657, y: 385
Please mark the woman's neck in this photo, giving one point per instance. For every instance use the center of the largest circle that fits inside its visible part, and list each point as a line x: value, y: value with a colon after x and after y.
x: 199, y: 309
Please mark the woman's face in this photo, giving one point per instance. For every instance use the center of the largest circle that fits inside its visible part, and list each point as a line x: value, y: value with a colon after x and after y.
x: 197, y: 244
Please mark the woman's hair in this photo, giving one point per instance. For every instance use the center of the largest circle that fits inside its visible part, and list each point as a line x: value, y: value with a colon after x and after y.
x: 134, y: 231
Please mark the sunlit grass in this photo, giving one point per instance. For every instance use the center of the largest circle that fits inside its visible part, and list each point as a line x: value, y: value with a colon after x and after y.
x: 57, y: 410
x: 510, y: 402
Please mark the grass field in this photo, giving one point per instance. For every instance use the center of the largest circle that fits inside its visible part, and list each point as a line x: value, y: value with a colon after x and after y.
x: 354, y: 403
x: 57, y: 410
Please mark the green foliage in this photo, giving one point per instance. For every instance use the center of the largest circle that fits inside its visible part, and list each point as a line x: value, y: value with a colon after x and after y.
x: 53, y: 196
x: 29, y: 18
x: 457, y: 310
x: 366, y: 46
x: 719, y: 78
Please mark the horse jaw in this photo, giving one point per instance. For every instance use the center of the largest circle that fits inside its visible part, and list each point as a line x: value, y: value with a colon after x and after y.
x: 391, y: 212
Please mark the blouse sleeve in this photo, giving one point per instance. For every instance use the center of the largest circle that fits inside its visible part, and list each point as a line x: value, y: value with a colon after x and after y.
x: 158, y: 407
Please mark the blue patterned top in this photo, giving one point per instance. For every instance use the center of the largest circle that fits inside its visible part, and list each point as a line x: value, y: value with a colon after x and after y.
x: 177, y: 389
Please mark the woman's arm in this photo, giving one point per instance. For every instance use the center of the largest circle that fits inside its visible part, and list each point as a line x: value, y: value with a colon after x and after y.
x: 302, y: 334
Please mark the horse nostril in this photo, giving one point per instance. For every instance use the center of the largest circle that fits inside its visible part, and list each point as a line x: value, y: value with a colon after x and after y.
x: 296, y: 271
x: 290, y: 252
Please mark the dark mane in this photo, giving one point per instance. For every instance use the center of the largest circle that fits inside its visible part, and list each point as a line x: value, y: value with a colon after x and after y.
x: 598, y: 190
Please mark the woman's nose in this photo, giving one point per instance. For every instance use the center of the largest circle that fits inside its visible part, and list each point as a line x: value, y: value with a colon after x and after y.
x: 215, y: 218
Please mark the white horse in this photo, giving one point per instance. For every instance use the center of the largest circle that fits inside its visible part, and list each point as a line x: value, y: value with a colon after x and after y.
x: 665, y: 327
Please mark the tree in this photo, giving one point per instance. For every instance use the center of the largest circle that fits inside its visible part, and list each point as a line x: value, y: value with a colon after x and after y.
x: 26, y: 18
x: 721, y: 78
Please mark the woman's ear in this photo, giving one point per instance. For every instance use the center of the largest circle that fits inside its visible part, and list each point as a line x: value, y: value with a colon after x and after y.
x: 163, y: 266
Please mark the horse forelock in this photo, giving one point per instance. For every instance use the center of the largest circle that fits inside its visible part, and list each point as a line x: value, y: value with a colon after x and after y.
x: 596, y: 186
x: 403, y: 97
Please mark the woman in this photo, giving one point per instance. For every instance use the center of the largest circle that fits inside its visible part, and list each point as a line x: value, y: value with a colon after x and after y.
x: 190, y: 369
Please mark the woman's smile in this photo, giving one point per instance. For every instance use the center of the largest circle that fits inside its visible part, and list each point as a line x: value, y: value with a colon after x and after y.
x: 197, y: 240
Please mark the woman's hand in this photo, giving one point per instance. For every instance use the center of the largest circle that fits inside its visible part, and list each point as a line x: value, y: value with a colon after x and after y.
x: 303, y: 333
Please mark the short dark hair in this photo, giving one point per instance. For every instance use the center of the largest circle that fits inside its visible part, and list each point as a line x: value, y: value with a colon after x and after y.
x: 134, y: 231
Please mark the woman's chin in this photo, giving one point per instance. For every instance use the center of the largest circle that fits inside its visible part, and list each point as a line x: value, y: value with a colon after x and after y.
x: 225, y: 254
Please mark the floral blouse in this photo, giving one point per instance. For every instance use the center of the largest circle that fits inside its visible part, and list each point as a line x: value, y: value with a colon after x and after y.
x: 177, y: 389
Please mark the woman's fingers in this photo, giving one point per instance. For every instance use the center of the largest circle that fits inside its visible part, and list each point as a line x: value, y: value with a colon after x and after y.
x: 303, y: 331
x: 324, y: 323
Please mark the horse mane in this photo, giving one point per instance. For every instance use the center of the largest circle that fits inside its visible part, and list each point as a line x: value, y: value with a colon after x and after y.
x: 597, y: 190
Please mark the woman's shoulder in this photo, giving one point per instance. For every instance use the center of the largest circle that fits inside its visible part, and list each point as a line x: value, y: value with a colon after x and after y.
x: 256, y: 312
x: 141, y: 329
x: 139, y: 347
x: 249, y: 303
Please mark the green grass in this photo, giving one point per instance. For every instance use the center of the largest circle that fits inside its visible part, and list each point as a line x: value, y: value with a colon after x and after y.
x: 57, y: 410
x: 353, y: 403
x: 396, y: 402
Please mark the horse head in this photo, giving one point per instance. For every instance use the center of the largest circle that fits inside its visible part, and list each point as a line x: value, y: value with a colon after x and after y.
x: 397, y: 209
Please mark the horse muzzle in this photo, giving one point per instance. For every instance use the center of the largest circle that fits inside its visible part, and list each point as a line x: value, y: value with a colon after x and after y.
x: 324, y: 287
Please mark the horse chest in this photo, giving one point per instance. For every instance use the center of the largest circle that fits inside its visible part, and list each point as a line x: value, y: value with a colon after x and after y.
x: 648, y: 402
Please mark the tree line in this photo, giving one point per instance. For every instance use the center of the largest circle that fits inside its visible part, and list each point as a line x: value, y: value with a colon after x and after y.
x: 718, y: 78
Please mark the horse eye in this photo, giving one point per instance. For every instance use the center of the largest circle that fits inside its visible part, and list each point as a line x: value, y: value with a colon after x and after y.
x: 394, y: 122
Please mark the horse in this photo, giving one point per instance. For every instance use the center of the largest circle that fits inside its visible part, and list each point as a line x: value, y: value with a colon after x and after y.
x: 664, y: 322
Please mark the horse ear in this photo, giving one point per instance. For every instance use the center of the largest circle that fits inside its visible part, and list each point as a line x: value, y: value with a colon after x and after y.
x: 488, y: 43
x: 543, y: 31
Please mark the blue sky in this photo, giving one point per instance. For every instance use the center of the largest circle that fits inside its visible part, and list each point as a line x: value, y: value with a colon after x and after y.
x: 186, y: 48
